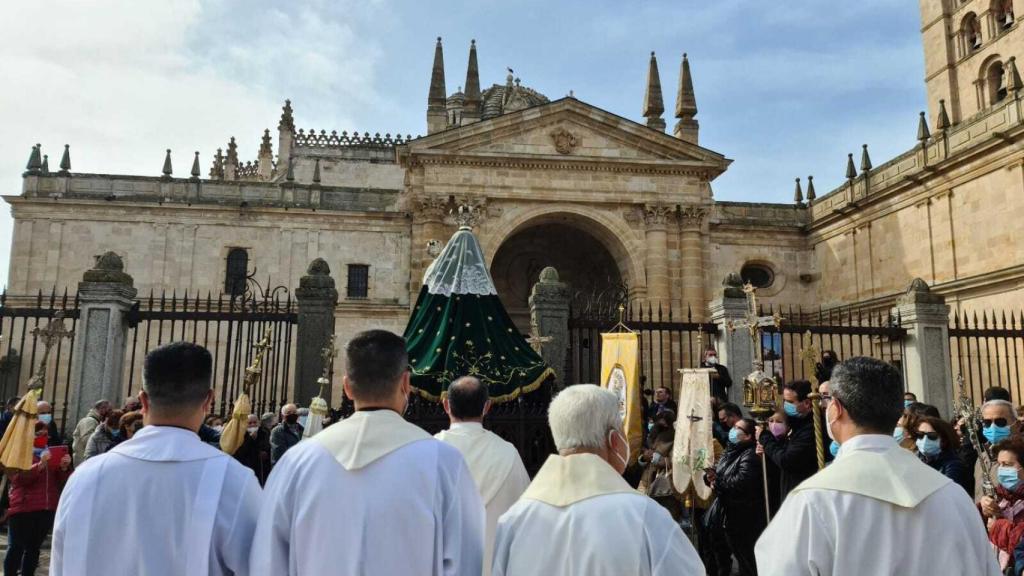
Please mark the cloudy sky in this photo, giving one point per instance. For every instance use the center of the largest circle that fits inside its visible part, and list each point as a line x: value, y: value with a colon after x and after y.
x: 785, y: 89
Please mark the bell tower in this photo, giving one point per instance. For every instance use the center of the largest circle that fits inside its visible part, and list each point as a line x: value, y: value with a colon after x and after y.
x: 970, y: 48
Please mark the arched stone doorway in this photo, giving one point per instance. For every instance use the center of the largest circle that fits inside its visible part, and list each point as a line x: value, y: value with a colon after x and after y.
x: 571, y: 244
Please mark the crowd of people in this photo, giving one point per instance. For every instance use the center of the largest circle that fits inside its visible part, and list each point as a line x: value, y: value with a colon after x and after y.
x: 462, y: 503
x: 783, y: 456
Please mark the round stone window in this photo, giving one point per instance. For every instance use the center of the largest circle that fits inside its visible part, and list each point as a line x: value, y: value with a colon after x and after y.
x: 760, y: 275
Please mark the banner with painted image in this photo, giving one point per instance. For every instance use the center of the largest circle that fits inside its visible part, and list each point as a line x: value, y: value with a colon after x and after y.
x: 620, y: 366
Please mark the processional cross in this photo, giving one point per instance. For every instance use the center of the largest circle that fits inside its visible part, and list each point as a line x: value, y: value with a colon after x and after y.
x: 51, y: 336
x: 329, y: 353
x: 809, y: 356
x: 755, y: 324
x: 535, y: 340
x: 253, y: 371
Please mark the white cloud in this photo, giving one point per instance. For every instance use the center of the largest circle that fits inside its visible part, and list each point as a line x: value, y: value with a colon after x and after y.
x: 121, y: 81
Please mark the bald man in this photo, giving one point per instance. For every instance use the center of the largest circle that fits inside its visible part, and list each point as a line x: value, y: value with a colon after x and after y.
x: 495, y: 465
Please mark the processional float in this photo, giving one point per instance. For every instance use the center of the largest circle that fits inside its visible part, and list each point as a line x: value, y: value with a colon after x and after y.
x: 459, y: 327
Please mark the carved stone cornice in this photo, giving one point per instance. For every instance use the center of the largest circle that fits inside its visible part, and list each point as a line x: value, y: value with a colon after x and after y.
x: 692, y: 217
x: 658, y: 215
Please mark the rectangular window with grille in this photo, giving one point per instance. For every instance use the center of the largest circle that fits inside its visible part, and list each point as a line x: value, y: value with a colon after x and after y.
x: 358, y: 280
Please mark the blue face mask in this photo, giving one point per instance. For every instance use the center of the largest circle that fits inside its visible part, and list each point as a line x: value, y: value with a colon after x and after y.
x: 834, y: 448
x: 928, y: 447
x: 995, y: 433
x: 115, y: 433
x: 790, y: 409
x: 734, y: 436
x: 907, y: 403
x: 899, y: 434
x: 1008, y: 477
x: 46, y: 418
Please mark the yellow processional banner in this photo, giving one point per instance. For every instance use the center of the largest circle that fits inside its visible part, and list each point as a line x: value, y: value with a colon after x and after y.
x: 620, y: 363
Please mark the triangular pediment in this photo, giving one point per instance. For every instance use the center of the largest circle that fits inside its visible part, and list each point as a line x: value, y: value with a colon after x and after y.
x: 567, y: 130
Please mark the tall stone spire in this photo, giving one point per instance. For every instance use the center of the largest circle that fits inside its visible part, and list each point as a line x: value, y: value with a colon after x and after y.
x: 865, y: 160
x: 231, y: 162
x: 437, y: 116
x: 811, y: 195
x: 654, y: 105
x: 798, y: 194
x: 285, y: 133
x: 265, y: 160
x: 196, y: 173
x: 687, y: 127
x: 471, y: 103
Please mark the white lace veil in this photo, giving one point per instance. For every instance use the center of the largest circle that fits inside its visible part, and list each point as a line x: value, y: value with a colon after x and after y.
x: 460, y: 268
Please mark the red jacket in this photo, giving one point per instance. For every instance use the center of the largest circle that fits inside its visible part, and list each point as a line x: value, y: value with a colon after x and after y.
x: 37, y: 489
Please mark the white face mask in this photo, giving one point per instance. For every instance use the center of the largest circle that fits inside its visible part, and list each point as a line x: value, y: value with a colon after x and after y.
x: 712, y: 360
x: 252, y: 429
x: 828, y: 421
x: 625, y: 461
x: 218, y: 428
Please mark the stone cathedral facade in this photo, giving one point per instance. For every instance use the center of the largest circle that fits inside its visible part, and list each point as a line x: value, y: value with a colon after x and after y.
x: 559, y: 182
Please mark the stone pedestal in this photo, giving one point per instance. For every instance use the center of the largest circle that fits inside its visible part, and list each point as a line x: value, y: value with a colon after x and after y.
x: 735, y: 350
x: 926, y: 348
x: 105, y: 296
x: 316, y: 298
x: 549, y: 314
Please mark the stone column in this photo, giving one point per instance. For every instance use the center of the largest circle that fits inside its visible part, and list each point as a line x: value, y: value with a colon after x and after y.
x: 428, y: 218
x: 105, y: 296
x: 735, y: 350
x: 926, y: 348
x: 656, y: 218
x: 692, y: 259
x: 316, y: 297
x: 549, y: 314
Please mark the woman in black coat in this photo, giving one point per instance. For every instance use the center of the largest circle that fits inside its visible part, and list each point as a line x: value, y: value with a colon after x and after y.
x: 738, y: 482
x: 938, y: 446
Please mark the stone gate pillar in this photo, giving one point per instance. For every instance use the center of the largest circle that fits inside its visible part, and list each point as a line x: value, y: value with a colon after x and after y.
x: 549, y: 314
x: 105, y: 297
x: 316, y: 297
x: 926, y: 349
x: 735, y: 350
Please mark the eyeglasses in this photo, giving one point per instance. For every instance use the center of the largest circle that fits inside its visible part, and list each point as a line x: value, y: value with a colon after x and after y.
x: 928, y: 435
x: 1001, y: 422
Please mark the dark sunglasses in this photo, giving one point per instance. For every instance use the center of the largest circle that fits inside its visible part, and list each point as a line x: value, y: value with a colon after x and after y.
x: 1001, y: 422
x: 929, y: 435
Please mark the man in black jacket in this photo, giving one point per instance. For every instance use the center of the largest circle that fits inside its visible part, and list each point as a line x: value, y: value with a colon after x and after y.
x: 793, y: 454
x: 720, y: 380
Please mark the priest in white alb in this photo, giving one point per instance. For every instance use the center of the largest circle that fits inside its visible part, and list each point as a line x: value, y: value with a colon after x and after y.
x: 372, y: 494
x: 495, y: 464
x: 163, y: 503
x: 579, y: 517
x: 877, y: 509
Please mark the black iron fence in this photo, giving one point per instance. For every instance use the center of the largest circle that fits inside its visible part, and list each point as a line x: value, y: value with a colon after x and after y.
x: 844, y: 334
x: 21, y: 349
x: 667, y: 343
x: 988, y: 351
x: 229, y: 327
